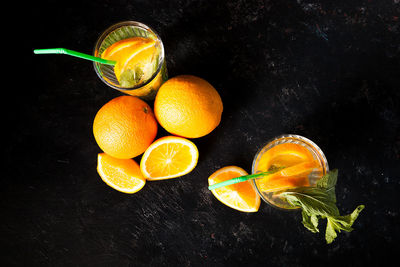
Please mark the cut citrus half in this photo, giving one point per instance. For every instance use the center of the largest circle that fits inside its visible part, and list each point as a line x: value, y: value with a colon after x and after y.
x: 169, y: 157
x: 121, y: 174
x: 240, y: 196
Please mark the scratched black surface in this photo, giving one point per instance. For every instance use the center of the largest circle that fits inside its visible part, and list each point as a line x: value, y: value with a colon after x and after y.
x: 327, y: 70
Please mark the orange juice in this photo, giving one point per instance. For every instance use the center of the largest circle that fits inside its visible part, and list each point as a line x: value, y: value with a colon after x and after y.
x: 299, y: 162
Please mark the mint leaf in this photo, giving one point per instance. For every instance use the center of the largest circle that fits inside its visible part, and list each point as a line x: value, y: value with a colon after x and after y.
x: 339, y: 223
x: 130, y: 78
x: 330, y: 233
x: 319, y: 202
x: 313, y: 200
x: 328, y: 182
x: 310, y: 222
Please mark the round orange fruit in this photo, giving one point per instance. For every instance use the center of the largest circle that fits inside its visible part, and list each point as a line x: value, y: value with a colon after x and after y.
x: 124, y: 127
x: 188, y: 106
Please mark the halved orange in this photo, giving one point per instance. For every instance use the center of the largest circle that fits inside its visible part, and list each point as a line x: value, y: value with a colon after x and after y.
x: 240, y: 196
x: 169, y: 157
x: 121, y: 174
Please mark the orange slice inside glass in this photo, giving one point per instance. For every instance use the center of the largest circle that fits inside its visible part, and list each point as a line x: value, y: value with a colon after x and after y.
x: 294, y: 176
x: 135, y: 56
x: 284, y: 155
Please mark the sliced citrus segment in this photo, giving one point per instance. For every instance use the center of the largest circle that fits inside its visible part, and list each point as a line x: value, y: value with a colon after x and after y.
x: 284, y: 155
x: 298, y: 169
x: 135, y: 59
x: 282, y: 183
x: 169, y: 157
x: 117, y: 47
x: 240, y: 196
x: 144, y: 53
x: 121, y: 174
x: 295, y: 176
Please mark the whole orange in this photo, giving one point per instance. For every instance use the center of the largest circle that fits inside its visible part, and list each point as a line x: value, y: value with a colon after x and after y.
x: 188, y: 106
x: 124, y: 127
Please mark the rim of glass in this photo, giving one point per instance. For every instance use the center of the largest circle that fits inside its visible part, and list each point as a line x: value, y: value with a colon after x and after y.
x: 114, y: 27
x: 310, y: 144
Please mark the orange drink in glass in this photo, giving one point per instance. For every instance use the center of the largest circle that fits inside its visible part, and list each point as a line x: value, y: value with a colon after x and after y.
x: 298, y: 162
x: 140, y: 67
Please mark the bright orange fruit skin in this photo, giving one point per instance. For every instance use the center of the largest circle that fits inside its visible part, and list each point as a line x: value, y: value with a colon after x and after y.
x: 188, y: 106
x: 239, y: 196
x: 124, y: 127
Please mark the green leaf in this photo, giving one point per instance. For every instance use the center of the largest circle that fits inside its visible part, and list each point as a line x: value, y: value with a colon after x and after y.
x: 313, y: 200
x: 330, y: 233
x: 348, y: 220
x: 339, y: 223
x: 320, y: 203
x: 328, y: 182
x: 130, y: 78
x: 310, y: 222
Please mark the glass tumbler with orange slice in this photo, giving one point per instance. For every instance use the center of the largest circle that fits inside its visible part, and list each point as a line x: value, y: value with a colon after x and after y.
x: 138, y: 51
x: 295, y: 162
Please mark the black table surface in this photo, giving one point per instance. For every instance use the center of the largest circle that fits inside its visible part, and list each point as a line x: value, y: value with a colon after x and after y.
x: 326, y: 70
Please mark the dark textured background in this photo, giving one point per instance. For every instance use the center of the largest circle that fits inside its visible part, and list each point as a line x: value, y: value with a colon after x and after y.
x: 327, y: 70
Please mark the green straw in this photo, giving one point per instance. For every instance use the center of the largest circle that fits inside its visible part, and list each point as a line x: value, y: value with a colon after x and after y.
x: 242, y: 179
x: 74, y: 54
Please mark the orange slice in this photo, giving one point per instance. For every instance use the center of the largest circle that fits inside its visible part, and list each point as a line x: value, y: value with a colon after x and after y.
x: 121, y: 174
x: 117, y: 47
x: 299, y: 169
x: 169, y: 157
x: 290, y: 177
x: 140, y: 56
x: 132, y: 54
x: 240, y: 196
x: 284, y: 155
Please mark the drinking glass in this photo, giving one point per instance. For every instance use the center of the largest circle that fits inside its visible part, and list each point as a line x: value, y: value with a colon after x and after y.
x: 123, y: 30
x: 272, y: 197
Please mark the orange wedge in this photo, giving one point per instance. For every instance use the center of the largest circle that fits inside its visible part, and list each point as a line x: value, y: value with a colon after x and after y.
x: 294, y: 176
x: 121, y: 174
x: 240, y: 196
x: 169, y: 157
x: 132, y: 53
x: 117, y: 47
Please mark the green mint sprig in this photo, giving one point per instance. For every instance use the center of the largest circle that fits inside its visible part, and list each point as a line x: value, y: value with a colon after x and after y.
x: 319, y: 202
